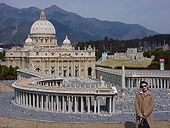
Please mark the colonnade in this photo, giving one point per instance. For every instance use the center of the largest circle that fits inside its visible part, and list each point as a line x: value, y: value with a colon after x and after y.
x: 65, y: 102
x: 21, y: 76
x: 161, y: 83
x: 131, y: 81
x: 67, y: 84
x: 50, y: 83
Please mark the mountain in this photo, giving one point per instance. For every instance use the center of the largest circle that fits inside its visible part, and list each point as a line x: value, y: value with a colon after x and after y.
x: 15, y: 25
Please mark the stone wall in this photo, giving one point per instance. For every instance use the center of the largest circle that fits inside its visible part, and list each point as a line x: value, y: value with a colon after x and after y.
x: 6, y: 122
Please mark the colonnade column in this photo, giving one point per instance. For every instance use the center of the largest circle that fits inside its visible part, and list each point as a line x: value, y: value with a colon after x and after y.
x: 82, y: 105
x: 63, y: 104
x: 154, y: 83
x: 150, y: 82
x: 69, y: 104
x: 95, y: 102
x: 16, y: 98
x: 47, y: 102
x: 21, y: 98
x: 75, y: 104
x: 165, y: 84
x: 161, y: 83
x: 30, y: 100
x: 42, y: 102
x: 98, y: 105
x: 52, y: 103
x: 26, y: 99
x: 113, y: 104
x: 110, y: 104
x: 57, y: 103
x: 157, y: 82
x: 37, y: 101
x: 88, y: 104
x: 33, y: 100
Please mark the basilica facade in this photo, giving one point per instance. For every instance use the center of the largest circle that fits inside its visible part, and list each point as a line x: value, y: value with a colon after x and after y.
x: 41, y: 53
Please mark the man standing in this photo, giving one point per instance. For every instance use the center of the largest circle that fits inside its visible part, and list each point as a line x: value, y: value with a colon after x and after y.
x: 144, y: 102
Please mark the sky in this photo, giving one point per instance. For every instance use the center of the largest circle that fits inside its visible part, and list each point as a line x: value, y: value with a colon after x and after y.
x: 152, y: 14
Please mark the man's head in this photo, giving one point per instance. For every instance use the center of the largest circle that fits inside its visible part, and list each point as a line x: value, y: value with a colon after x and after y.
x: 144, y: 86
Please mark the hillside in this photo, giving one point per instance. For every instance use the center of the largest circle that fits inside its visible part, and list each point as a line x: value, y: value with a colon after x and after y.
x: 15, y: 25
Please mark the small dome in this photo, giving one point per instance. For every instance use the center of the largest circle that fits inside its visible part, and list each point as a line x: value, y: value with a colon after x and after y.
x: 66, y: 41
x: 42, y: 26
x: 28, y: 40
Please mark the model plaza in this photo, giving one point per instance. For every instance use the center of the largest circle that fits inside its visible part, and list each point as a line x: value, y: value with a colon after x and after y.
x: 67, y: 94
x: 57, y: 78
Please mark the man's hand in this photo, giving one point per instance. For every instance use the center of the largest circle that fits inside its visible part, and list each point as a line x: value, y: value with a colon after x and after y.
x: 142, y: 116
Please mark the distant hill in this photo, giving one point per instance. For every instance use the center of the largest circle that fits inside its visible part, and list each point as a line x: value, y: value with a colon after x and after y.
x: 15, y: 25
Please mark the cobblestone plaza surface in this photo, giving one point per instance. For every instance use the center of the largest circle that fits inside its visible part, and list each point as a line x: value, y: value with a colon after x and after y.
x: 124, y: 110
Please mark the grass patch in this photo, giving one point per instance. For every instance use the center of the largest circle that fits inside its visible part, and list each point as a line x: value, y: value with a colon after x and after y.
x: 127, y: 63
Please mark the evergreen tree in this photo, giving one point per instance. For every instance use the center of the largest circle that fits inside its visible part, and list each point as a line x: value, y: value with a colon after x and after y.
x: 2, y: 56
x: 15, y: 70
x: 10, y: 70
x: 5, y: 71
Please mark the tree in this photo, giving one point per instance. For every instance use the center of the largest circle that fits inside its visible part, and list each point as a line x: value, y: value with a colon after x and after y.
x: 10, y: 70
x: 15, y: 70
x: 2, y: 56
x: 5, y: 71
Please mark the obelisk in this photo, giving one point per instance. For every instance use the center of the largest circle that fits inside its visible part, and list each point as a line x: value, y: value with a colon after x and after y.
x: 123, y: 87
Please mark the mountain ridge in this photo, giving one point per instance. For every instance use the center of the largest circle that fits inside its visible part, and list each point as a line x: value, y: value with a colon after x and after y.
x: 15, y: 23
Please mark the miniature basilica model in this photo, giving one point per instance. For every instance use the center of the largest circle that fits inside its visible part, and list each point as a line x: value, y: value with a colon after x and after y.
x: 57, y: 79
x: 41, y: 53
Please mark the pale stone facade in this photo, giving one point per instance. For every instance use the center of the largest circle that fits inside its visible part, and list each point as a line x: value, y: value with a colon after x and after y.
x: 41, y: 53
x: 130, y: 54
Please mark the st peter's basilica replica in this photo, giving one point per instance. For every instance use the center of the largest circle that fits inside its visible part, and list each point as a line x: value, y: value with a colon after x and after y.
x: 41, y: 53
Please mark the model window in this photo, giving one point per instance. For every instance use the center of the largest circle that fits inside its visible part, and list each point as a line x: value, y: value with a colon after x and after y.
x: 65, y: 73
x: 76, y: 73
x: 89, y: 71
x: 52, y: 72
x: 69, y: 74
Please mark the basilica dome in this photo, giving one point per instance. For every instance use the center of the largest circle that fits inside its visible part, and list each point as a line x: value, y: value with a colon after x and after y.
x: 28, y: 41
x: 42, y: 26
x: 66, y: 41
